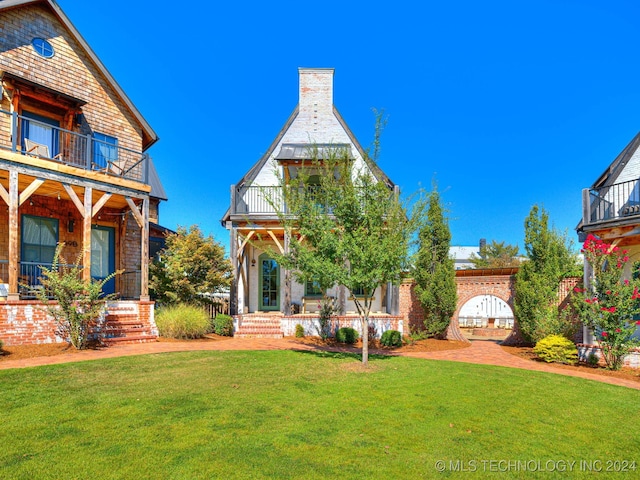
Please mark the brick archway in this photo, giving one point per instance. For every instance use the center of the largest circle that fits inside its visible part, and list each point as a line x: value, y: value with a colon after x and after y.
x: 497, y: 282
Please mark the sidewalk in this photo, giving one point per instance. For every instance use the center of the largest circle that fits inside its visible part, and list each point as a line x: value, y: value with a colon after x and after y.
x: 480, y: 352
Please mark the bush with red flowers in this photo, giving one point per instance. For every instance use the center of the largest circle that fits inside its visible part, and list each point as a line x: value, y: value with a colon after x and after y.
x: 609, y: 304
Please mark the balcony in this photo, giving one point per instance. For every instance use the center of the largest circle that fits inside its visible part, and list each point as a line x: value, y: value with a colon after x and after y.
x: 255, y: 200
x: 613, y: 202
x: 73, y: 149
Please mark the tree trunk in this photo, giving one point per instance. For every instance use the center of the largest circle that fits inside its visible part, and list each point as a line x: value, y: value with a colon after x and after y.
x: 365, y: 341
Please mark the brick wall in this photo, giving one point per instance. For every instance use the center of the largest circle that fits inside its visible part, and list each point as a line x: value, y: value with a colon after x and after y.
x: 501, y: 286
x: 25, y: 322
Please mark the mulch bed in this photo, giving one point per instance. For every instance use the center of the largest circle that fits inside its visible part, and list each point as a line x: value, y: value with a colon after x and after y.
x: 626, y: 372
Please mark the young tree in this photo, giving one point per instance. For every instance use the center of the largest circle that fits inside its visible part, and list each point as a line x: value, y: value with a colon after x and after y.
x: 77, y: 303
x: 496, y: 255
x: 345, y: 228
x: 190, y: 267
x: 434, y: 270
x: 550, y: 258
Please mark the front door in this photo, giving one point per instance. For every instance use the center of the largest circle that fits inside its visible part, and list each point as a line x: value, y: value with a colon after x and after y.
x: 269, y: 283
x: 103, y: 259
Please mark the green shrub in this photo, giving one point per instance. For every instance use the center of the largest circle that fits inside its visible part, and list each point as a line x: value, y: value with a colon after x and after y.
x: 391, y: 338
x: 299, y: 331
x: 556, y: 348
x: 182, y: 321
x: 347, y: 335
x: 223, y: 325
x: 1, y: 345
x: 593, y: 360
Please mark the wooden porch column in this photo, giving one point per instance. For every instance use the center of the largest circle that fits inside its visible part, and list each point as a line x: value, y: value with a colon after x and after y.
x: 86, y: 234
x: 233, y: 254
x: 144, y: 252
x: 13, y: 235
x: 287, y: 278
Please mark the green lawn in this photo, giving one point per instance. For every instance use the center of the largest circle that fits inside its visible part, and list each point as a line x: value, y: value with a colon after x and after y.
x: 284, y: 414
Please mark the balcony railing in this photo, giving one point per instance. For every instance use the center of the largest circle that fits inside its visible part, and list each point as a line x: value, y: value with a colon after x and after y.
x: 72, y: 148
x: 612, y: 202
x: 30, y: 273
x: 257, y: 200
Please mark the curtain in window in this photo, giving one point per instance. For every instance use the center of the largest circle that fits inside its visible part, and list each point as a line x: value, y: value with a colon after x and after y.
x: 39, y: 239
x: 105, y: 149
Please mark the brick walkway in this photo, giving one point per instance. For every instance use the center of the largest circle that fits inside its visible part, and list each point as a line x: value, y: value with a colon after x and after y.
x: 483, y: 352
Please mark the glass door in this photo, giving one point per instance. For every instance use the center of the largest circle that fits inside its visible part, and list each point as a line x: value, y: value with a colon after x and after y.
x: 103, y: 260
x: 269, y: 283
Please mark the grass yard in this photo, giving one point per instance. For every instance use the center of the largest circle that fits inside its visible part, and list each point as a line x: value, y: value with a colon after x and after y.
x: 286, y: 414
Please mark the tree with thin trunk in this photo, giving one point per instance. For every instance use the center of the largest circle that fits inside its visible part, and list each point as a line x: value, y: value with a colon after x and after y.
x: 434, y: 270
x: 346, y: 228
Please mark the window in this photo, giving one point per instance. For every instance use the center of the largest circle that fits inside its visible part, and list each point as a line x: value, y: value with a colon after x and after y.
x: 39, y: 240
x: 42, y: 47
x: 358, y: 292
x: 41, y: 130
x: 312, y: 289
x: 105, y: 150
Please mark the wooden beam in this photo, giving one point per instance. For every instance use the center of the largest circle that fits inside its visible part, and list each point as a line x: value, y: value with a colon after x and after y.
x: 136, y: 212
x: 244, y: 243
x: 86, y: 235
x: 74, y: 198
x: 4, y: 194
x: 13, y: 235
x: 30, y: 190
x: 277, y: 242
x: 144, y: 252
x: 99, y: 204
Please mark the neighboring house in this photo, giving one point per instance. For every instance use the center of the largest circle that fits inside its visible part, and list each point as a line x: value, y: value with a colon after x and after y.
x: 260, y: 285
x: 73, y: 168
x: 462, y: 256
x: 611, y: 207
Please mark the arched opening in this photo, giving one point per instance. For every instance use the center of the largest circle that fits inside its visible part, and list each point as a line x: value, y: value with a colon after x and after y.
x: 486, y: 316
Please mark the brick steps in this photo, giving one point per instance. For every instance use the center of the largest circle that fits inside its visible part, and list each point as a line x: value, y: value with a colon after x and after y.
x: 124, y: 328
x: 259, y: 327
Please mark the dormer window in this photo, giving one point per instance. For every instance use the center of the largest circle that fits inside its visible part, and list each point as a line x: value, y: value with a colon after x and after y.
x: 42, y: 47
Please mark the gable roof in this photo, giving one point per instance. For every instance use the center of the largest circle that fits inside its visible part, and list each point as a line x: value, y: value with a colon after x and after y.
x: 257, y: 167
x: 149, y: 137
x: 610, y: 175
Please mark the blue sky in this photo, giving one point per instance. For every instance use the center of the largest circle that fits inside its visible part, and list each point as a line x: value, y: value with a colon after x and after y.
x: 506, y: 104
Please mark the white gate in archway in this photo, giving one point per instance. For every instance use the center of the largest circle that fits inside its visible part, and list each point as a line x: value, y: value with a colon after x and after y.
x: 486, y: 311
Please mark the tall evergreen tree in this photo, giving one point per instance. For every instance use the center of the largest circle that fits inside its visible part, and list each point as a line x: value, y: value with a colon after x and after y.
x: 550, y: 259
x: 434, y: 270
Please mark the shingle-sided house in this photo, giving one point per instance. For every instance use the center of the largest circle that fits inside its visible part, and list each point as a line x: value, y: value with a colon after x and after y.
x: 260, y: 285
x: 73, y: 169
x: 611, y: 207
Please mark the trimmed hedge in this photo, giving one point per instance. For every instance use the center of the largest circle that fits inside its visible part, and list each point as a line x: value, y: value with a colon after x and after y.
x: 391, y: 338
x: 347, y: 335
x: 223, y: 325
x: 557, y: 349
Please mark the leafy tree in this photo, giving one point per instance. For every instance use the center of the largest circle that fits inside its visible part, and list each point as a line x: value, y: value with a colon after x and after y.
x: 345, y: 228
x: 550, y: 258
x: 191, y: 266
x: 434, y: 270
x: 496, y: 255
x: 78, y: 303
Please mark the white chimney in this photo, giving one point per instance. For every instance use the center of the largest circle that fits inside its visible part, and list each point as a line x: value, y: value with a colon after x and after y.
x: 316, y: 90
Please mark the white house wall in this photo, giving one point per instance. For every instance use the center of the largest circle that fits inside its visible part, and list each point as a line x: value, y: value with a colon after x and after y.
x: 297, y: 291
